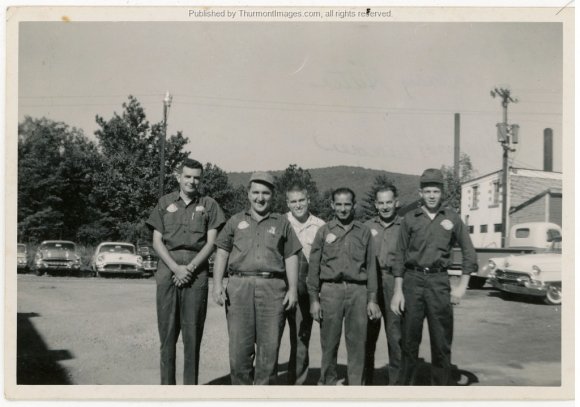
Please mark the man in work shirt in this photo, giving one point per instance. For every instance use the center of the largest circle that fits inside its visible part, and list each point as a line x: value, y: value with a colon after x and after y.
x: 422, y: 286
x: 305, y: 226
x: 185, y: 227
x: 385, y: 231
x: 262, y: 251
x: 342, y: 284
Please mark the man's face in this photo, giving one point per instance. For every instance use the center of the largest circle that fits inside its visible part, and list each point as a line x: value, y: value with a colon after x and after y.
x: 298, y: 203
x: 189, y: 180
x: 343, y: 207
x: 431, y: 195
x: 386, y: 204
x: 260, y: 197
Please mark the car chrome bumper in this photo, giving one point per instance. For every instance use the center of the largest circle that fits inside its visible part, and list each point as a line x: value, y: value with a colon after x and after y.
x: 527, y: 288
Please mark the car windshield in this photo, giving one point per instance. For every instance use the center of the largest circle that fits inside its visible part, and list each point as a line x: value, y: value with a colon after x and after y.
x: 117, y: 248
x: 58, y: 246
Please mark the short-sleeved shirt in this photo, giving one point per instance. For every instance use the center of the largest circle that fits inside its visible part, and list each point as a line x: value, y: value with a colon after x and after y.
x: 184, y: 227
x: 385, y: 239
x: 339, y: 255
x: 305, y: 231
x: 258, y: 245
x: 426, y: 242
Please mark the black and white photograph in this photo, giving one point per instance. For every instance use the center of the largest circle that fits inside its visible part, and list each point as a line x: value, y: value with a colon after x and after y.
x: 226, y: 197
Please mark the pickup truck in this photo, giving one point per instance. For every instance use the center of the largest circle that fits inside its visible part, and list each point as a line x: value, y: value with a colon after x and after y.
x: 523, y: 238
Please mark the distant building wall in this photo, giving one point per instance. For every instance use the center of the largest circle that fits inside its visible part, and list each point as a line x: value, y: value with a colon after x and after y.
x: 555, y: 212
x: 534, y: 212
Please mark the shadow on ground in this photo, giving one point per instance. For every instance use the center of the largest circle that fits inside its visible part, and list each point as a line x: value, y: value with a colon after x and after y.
x: 423, y: 378
x: 35, y: 363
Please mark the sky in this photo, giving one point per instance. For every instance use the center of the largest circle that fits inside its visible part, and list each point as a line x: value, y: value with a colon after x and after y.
x: 260, y: 96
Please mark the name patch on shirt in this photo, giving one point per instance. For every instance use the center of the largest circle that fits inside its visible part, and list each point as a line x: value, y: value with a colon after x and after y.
x: 374, y: 232
x: 172, y: 208
x: 331, y: 237
x: 272, y: 230
x: 243, y: 225
x: 447, y: 224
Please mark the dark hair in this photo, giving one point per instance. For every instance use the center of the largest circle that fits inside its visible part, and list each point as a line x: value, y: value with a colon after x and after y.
x: 189, y: 163
x: 343, y: 190
x: 297, y: 188
x: 387, y: 188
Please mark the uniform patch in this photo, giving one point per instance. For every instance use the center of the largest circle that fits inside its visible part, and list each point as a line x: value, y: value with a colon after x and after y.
x: 243, y: 225
x: 374, y: 232
x: 331, y: 237
x: 172, y: 208
x: 199, y: 208
x: 447, y: 224
x: 272, y: 230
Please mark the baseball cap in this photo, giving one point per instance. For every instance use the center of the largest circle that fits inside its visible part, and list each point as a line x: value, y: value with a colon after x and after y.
x: 263, y: 177
x: 432, y: 176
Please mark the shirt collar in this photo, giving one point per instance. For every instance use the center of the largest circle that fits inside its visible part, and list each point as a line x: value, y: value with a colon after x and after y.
x: 419, y: 210
x: 296, y: 222
x: 334, y: 223
x: 272, y: 215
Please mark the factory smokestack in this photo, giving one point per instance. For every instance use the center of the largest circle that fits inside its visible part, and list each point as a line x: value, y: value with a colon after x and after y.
x: 548, y: 139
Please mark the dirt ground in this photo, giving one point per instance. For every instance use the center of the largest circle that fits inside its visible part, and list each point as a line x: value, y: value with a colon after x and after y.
x: 74, y: 330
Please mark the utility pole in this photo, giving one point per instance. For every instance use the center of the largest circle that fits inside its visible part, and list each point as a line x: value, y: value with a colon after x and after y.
x: 506, y: 135
x: 162, y: 136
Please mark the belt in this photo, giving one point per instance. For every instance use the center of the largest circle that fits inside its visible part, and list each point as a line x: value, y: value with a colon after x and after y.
x: 429, y: 270
x: 262, y: 274
x: 345, y: 282
x: 388, y: 270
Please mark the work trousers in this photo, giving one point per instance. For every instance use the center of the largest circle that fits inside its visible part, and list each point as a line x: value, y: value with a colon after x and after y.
x: 300, y: 329
x: 180, y: 310
x: 343, y: 302
x: 392, y: 331
x: 255, y: 316
x: 427, y: 296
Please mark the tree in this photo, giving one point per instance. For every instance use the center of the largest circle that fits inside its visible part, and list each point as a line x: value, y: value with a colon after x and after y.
x: 453, y: 183
x: 55, y: 166
x: 294, y: 175
x: 368, y: 205
x: 126, y: 184
x: 217, y: 185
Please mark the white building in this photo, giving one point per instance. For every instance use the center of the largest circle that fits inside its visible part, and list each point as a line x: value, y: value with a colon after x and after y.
x: 533, y: 196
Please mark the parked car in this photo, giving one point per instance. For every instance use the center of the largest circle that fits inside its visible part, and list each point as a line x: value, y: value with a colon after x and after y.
x: 538, y: 274
x: 56, y: 255
x: 149, y: 257
x: 22, y: 257
x: 116, y: 258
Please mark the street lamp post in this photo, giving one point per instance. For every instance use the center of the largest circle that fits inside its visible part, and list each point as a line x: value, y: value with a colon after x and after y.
x: 506, y: 135
x: 162, y: 136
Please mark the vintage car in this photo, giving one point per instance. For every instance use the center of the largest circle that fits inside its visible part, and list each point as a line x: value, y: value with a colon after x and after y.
x: 149, y: 257
x: 22, y: 257
x: 116, y: 258
x: 538, y: 274
x: 56, y: 255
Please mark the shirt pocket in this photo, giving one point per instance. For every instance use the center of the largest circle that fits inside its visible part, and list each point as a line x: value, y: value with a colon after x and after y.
x: 242, y: 240
x: 198, y: 222
x: 442, y: 238
x: 358, y: 250
x: 172, y: 221
x: 332, y: 250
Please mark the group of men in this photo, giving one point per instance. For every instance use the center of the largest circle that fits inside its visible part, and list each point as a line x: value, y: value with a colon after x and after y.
x: 294, y: 268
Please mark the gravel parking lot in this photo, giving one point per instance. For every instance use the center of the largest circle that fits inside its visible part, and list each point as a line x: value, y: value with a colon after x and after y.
x: 74, y: 330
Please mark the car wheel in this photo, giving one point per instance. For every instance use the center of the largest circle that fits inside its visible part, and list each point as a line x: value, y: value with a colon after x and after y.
x: 38, y: 272
x: 477, y: 282
x: 553, y: 295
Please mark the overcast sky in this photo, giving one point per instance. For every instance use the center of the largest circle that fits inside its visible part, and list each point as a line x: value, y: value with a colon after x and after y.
x: 264, y: 95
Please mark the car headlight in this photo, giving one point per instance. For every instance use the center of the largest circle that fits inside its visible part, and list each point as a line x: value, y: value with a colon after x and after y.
x: 536, y: 271
x: 100, y: 260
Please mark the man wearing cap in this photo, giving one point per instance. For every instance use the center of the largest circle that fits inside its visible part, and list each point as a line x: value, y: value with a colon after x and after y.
x: 385, y: 231
x: 261, y: 251
x: 305, y: 226
x: 342, y: 284
x: 422, y: 288
x: 185, y: 225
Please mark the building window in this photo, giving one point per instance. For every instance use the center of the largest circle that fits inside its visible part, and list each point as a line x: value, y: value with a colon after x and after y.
x: 495, y: 193
x: 471, y: 229
x: 475, y: 197
x: 482, y: 228
x: 497, y: 227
